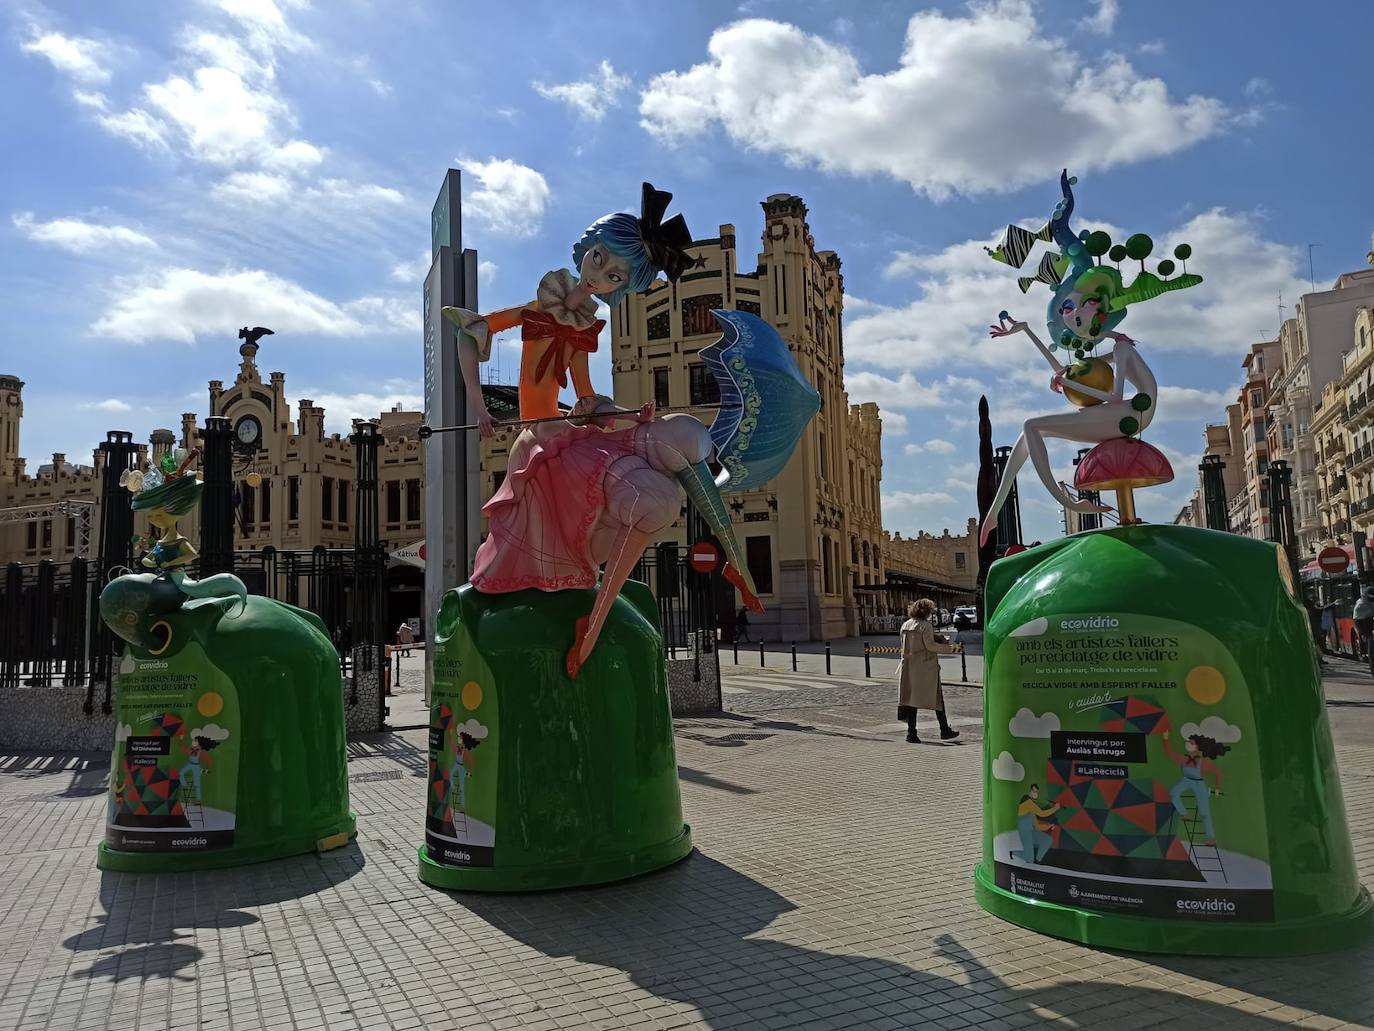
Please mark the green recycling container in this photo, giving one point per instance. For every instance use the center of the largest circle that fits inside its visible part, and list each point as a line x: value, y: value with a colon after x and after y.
x: 1158, y: 769
x: 537, y: 781
x: 229, y: 743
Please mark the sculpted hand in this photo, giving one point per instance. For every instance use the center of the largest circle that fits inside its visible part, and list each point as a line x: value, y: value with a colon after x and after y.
x: 646, y: 411
x: 1057, y: 382
x: 486, y: 426
x: 1006, y: 326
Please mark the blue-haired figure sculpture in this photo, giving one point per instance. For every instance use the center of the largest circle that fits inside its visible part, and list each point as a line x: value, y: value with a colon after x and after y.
x: 1088, y: 304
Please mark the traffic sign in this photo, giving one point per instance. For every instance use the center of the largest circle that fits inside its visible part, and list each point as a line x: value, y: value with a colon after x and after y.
x: 1333, y: 560
x: 704, y: 557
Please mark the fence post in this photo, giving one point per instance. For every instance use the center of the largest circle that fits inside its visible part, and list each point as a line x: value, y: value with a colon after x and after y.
x: 217, y: 497
x: 963, y: 664
x: 794, y: 656
x: 736, y: 647
x: 760, y: 655
x: 827, y: 658
x: 868, y: 666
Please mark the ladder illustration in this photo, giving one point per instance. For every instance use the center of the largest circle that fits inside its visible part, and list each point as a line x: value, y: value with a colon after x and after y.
x: 1207, y: 858
x: 195, y: 812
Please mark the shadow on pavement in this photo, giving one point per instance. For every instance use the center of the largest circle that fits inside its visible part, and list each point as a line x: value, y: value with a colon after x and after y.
x: 692, y: 934
x: 150, y: 918
x: 388, y: 744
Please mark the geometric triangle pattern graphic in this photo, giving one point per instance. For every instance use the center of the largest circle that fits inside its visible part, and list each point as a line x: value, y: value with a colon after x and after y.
x: 1136, y: 715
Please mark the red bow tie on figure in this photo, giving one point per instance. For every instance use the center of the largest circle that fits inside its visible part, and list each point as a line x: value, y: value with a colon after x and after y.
x: 537, y: 325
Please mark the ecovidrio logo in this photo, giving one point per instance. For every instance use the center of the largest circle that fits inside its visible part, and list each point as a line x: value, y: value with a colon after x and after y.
x: 1213, y: 905
x: 1090, y: 623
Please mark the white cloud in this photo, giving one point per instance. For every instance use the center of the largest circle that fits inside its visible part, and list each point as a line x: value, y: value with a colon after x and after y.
x: 137, y: 126
x: 473, y: 729
x: 1027, y: 724
x: 905, y: 500
x: 272, y: 189
x: 1005, y: 767
x: 184, y: 304
x: 266, y: 24
x: 223, y: 119
x: 77, y: 236
x: 1104, y: 18
x: 112, y: 404
x: 1258, y: 88
x: 592, y: 97
x: 382, y: 89
x: 212, y: 731
x: 82, y: 59
x: 486, y: 272
x: 341, y: 409
x: 933, y: 447
x: 1152, y: 48
x: 930, y: 122
x: 398, y: 314
x: 1214, y: 727
x: 510, y: 197
x: 894, y: 422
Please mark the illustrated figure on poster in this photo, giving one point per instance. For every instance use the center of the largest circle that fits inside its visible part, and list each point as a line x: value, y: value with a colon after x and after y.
x: 465, y: 740
x: 1088, y: 304
x: 198, y: 759
x: 1033, y: 825
x: 588, y: 490
x: 1199, y: 751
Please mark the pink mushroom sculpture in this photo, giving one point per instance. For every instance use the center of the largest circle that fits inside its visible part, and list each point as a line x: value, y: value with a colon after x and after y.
x: 1123, y: 464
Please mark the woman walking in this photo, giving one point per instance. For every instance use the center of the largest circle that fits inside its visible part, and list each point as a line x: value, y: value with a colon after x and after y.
x: 918, y: 672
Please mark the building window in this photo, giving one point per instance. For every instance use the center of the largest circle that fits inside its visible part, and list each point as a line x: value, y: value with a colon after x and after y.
x: 960, y: 560
x: 412, y: 501
x: 825, y: 466
x: 704, y: 388
x: 661, y: 391
x: 752, y: 307
x: 696, y: 315
x: 827, y: 585
x: 71, y: 532
x: 497, y: 478
x: 33, y: 536
x: 1256, y: 399
x: 248, y: 507
x: 343, y: 502
x: 393, y: 501
x: 266, y: 507
x: 293, y: 498
x: 659, y: 327
x: 758, y: 555
x: 47, y: 535
x: 327, y: 499
x: 854, y: 550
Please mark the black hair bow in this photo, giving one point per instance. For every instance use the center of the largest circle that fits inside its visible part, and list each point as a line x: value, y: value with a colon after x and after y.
x: 667, y: 241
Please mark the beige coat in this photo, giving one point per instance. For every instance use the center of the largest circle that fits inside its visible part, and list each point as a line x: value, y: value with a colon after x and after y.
x: 918, y: 672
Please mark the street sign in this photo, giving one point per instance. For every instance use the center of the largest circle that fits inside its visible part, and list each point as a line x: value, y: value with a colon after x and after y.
x: 1333, y: 560
x: 704, y: 557
x: 411, y: 553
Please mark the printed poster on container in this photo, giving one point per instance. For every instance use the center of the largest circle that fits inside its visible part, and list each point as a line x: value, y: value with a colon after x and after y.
x: 464, y: 738
x: 175, y: 767
x: 1128, y: 777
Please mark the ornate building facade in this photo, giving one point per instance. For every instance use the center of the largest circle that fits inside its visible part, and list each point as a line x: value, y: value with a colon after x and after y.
x: 812, y: 535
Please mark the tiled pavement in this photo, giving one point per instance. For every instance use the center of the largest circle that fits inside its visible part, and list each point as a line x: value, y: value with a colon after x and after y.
x: 831, y: 888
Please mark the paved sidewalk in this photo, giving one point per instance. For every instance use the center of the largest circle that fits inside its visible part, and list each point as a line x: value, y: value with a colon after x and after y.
x: 831, y: 888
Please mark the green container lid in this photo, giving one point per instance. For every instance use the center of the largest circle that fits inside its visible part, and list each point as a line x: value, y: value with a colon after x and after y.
x: 1158, y: 769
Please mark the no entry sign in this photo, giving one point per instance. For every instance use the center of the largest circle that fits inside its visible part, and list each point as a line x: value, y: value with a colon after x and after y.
x: 704, y: 557
x: 1333, y: 560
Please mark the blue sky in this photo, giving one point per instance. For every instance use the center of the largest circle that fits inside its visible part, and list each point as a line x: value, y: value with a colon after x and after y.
x: 178, y: 170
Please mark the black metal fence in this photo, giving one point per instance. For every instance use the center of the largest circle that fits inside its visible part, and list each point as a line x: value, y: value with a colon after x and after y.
x: 45, y: 619
x: 687, y: 605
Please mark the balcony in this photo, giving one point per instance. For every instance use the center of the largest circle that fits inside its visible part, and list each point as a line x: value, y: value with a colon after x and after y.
x: 1360, y: 455
x: 1359, y: 407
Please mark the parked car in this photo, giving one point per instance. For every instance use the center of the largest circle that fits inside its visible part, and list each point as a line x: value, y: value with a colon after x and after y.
x: 965, y: 617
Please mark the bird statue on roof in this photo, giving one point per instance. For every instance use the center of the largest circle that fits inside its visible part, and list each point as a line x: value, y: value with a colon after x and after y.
x: 252, y: 336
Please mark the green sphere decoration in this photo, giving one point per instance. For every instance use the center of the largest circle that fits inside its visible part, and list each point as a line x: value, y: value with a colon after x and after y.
x: 1098, y: 243
x: 1183, y: 252
x: 1117, y: 253
x: 1141, y: 402
x: 1128, y: 426
x: 1078, y: 353
x: 1166, y: 268
x: 1139, y: 247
